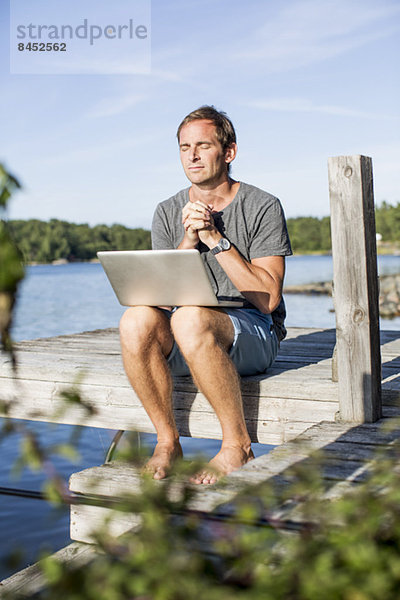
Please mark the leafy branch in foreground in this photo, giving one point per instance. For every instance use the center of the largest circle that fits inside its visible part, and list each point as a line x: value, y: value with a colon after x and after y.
x: 12, y: 270
x: 282, y: 540
x: 347, y: 548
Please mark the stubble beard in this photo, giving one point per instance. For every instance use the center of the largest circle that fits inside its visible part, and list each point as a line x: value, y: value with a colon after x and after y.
x: 209, y: 181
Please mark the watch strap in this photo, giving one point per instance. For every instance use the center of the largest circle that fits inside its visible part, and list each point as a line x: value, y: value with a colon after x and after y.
x: 223, y: 245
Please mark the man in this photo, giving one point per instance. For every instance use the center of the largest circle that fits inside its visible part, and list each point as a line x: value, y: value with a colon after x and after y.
x: 241, y: 234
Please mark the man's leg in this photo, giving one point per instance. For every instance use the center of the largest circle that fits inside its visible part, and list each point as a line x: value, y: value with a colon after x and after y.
x: 204, y: 336
x: 146, y: 340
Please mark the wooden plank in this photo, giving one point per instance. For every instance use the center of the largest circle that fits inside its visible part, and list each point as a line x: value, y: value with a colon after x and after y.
x: 117, y: 479
x: 87, y: 361
x: 108, y: 339
x: 301, y: 346
x: 30, y: 581
x: 352, y: 451
x: 355, y: 287
x: 307, y: 382
x: 296, y: 393
x: 269, y: 420
x: 348, y: 451
x: 86, y: 521
x: 382, y: 432
x: 62, y: 367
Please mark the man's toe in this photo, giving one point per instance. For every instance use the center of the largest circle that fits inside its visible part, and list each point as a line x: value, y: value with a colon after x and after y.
x: 210, y: 478
x: 160, y: 473
x: 198, y: 478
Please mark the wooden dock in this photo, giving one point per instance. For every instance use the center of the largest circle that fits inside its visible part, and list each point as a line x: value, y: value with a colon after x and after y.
x: 296, y: 400
x: 294, y: 405
x: 296, y: 393
x: 348, y: 452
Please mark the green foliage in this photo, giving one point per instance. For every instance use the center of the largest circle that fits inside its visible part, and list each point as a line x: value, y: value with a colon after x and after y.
x: 310, y: 234
x: 388, y: 222
x: 43, y: 242
x: 8, y: 184
x: 11, y: 271
x: 347, y: 548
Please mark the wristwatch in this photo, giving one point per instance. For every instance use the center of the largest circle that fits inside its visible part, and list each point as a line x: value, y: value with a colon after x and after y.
x: 223, y: 245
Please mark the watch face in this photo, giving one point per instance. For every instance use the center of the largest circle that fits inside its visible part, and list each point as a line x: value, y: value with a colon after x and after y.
x: 225, y: 244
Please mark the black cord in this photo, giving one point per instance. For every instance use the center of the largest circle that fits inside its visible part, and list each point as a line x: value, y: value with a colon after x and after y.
x: 72, y: 498
x: 33, y: 494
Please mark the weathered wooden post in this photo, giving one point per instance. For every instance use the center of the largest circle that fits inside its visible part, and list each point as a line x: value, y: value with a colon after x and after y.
x: 355, y: 277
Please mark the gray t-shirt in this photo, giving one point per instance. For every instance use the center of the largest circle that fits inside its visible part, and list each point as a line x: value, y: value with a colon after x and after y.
x: 253, y: 222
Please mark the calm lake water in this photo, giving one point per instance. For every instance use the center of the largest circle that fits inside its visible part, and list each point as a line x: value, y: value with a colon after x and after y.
x: 56, y: 300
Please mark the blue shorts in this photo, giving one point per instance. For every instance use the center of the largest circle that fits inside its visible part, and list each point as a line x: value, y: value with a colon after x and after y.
x: 254, y: 347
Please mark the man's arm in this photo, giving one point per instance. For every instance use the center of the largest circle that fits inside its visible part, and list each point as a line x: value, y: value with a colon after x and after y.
x: 260, y: 280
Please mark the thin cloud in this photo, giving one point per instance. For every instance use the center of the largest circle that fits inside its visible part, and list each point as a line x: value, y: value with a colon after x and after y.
x: 125, y: 99
x: 109, y: 107
x: 307, y: 32
x: 96, y: 152
x: 95, y: 66
x: 166, y: 75
x: 306, y: 106
x: 275, y: 39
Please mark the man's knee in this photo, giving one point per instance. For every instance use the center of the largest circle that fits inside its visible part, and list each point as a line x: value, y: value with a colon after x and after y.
x: 190, y: 320
x: 195, y: 325
x: 139, y: 325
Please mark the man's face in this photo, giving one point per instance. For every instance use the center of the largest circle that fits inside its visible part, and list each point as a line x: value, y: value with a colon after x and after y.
x: 202, y: 157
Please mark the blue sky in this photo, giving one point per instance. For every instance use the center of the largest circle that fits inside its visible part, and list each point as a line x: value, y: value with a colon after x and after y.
x: 302, y: 80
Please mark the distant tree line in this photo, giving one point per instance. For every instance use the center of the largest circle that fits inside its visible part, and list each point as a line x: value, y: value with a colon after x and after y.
x: 310, y: 234
x: 388, y: 222
x: 41, y: 241
x: 45, y: 241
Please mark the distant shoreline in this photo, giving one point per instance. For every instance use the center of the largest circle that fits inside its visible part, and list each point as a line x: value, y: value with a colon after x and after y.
x: 386, y: 250
x: 62, y: 261
x: 389, y: 293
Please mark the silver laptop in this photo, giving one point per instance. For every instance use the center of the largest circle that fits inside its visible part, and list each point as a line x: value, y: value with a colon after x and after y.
x: 161, y: 278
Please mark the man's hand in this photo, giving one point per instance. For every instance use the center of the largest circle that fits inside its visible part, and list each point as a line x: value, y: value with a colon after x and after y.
x: 198, y: 223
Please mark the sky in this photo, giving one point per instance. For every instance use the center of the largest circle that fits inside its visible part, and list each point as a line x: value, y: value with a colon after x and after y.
x: 302, y: 80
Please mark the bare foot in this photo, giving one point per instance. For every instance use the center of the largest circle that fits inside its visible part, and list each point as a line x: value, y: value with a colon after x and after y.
x: 228, y: 459
x: 164, y: 455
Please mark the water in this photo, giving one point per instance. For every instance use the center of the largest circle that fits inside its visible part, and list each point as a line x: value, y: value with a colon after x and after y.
x: 317, y: 311
x: 55, y: 300
x: 76, y: 297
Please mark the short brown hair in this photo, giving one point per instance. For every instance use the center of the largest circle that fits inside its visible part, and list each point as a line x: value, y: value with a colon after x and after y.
x: 224, y: 129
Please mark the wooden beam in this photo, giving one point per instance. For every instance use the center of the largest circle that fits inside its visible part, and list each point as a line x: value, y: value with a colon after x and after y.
x: 29, y: 582
x: 355, y: 288
x: 295, y: 393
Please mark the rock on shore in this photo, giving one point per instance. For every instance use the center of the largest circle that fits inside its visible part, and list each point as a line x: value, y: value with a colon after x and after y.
x: 389, y: 296
x: 389, y: 293
x: 318, y: 287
